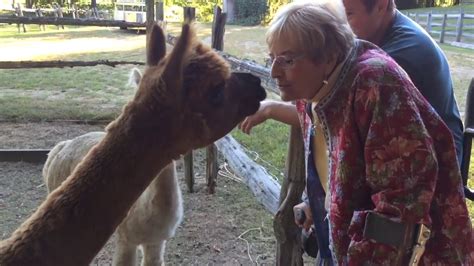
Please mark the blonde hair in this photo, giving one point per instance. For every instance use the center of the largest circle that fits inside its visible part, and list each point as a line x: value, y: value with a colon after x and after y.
x: 317, y: 28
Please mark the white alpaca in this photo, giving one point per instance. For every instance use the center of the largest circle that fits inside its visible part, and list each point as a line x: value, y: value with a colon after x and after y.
x: 153, y: 218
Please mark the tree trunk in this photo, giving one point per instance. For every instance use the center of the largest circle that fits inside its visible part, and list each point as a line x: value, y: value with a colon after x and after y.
x: 406, y: 4
x: 229, y: 10
x: 29, y: 3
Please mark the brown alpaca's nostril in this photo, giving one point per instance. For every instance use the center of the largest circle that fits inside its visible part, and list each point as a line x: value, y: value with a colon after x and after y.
x: 247, y: 77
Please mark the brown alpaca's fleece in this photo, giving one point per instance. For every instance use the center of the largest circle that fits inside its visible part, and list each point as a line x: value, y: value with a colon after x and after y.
x: 170, y: 114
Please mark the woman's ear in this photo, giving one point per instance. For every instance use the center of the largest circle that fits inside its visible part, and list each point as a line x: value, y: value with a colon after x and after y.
x: 331, y: 63
x: 381, y: 7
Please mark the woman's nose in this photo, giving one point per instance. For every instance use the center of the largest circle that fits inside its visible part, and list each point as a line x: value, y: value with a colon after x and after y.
x: 275, y: 71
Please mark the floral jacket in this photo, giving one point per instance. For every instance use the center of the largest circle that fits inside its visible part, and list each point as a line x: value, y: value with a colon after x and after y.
x: 389, y: 153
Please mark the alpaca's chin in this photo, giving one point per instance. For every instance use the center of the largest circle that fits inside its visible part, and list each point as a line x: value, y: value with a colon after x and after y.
x: 248, y: 110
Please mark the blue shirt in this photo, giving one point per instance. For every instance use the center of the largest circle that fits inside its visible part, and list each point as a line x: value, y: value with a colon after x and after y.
x: 424, y: 61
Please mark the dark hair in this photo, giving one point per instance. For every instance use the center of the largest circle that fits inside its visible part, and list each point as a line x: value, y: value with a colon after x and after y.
x: 370, y: 4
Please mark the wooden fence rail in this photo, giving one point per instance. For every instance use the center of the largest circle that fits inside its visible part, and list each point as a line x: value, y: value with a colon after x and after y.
x: 459, y: 28
x: 62, y: 64
x: 69, y: 21
x: 55, y: 16
x: 73, y: 11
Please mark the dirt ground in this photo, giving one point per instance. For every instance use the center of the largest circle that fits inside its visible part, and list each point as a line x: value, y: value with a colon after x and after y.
x: 227, y: 228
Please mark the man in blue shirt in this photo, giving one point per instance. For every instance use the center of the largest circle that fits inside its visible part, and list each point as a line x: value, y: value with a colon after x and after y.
x: 379, y: 22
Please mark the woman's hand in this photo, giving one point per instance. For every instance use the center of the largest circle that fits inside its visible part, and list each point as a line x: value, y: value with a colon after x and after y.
x: 269, y: 109
x: 259, y: 117
x: 308, y: 221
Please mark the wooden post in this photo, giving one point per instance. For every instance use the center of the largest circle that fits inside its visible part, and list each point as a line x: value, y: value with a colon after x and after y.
x: 467, y: 140
x: 211, y: 168
x: 443, y: 28
x: 218, y: 29
x: 288, y: 235
x: 417, y: 18
x: 150, y: 13
x: 39, y: 14
x: 19, y: 13
x: 459, y: 26
x: 189, y: 13
x: 159, y: 12
x: 58, y: 13
x: 468, y: 124
x: 189, y: 171
x: 75, y: 11
x: 94, y: 12
x: 428, y: 22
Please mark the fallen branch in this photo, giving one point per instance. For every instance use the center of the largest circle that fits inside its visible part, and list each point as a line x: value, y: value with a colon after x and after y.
x: 61, y: 64
x: 262, y: 185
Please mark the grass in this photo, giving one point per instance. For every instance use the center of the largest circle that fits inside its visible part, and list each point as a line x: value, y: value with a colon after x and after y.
x: 98, y: 93
x: 243, y: 42
x: 91, y: 93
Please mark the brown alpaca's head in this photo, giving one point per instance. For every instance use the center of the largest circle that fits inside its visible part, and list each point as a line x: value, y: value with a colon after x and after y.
x: 194, y: 88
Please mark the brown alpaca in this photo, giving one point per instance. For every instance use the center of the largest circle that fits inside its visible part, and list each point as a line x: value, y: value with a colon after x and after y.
x: 185, y: 101
x: 153, y: 218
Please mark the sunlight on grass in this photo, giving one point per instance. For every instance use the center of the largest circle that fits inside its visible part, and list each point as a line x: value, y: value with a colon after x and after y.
x: 61, y: 44
x: 270, y: 152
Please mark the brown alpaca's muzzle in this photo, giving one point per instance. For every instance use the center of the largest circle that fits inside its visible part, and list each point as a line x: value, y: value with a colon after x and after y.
x: 251, y: 92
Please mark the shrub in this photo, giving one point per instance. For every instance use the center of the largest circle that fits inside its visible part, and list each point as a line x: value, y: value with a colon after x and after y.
x: 250, y: 12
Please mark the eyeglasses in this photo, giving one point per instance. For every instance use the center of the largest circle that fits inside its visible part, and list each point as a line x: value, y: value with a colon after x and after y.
x: 285, y: 61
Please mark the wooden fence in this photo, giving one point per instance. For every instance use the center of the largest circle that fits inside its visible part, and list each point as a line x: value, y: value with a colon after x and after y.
x: 61, y: 16
x: 456, y: 28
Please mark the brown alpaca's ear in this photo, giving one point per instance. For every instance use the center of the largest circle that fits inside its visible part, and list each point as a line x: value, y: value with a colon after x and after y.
x: 173, y: 73
x: 156, y: 46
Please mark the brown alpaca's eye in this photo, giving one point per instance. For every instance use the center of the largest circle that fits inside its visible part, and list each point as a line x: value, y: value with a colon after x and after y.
x: 216, y: 96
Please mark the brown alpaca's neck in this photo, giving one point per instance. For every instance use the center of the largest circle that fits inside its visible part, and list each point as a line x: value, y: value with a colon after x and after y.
x: 77, y: 219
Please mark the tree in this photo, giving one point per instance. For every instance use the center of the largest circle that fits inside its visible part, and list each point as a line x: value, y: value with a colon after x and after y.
x: 273, y: 6
x: 229, y: 8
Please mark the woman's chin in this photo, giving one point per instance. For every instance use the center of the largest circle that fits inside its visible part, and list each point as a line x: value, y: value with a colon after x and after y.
x: 286, y: 98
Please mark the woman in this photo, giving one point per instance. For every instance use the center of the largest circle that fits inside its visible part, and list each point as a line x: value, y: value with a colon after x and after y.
x: 381, y: 164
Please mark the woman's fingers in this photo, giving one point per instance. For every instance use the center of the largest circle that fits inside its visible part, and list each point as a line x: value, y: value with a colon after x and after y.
x: 303, y: 216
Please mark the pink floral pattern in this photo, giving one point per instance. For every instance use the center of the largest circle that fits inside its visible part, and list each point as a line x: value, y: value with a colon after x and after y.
x: 392, y: 154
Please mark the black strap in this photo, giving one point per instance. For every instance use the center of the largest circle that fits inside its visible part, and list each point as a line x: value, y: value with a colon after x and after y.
x: 386, y: 231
